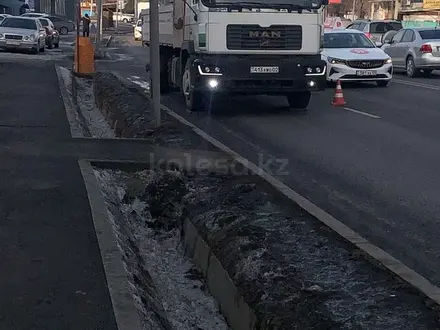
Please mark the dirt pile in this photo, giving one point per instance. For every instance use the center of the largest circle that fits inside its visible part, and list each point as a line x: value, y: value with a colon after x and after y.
x: 293, y: 273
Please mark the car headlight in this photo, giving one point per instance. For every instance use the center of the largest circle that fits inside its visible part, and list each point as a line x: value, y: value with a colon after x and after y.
x: 2, y: 36
x: 209, y: 69
x: 25, y: 38
x: 333, y: 60
x: 32, y: 37
x: 388, y: 60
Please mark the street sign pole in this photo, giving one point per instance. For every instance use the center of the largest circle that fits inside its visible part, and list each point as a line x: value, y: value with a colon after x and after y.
x: 136, y: 14
x: 98, y: 23
x: 154, y: 59
x: 117, y: 16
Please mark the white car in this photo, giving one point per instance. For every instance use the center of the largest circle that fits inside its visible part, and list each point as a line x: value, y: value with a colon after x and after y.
x: 22, y: 33
x: 352, y: 56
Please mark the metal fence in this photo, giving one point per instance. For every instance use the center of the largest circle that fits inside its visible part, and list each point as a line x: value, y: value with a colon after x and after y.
x: 60, y: 7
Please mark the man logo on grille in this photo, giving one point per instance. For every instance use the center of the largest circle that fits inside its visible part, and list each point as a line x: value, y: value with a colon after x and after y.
x: 265, y: 34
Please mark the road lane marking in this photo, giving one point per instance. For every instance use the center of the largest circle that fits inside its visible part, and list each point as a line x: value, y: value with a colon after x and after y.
x: 398, y: 268
x: 416, y: 84
x: 362, y: 113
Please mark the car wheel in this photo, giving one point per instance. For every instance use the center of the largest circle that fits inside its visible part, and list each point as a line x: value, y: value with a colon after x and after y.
x: 36, y: 50
x: 299, y: 100
x: 382, y: 83
x: 195, y: 101
x: 411, y: 70
x: 64, y: 30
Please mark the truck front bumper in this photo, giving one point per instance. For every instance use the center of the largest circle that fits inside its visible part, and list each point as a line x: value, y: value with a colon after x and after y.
x: 270, y: 75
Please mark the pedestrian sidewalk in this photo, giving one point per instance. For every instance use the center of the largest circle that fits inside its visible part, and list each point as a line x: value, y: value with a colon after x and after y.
x: 52, y: 276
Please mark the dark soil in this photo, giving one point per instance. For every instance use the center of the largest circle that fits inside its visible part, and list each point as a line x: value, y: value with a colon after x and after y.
x: 129, y: 111
x: 292, y: 272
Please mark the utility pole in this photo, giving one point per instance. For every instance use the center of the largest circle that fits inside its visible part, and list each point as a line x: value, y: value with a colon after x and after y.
x: 117, y: 16
x: 396, y: 8
x: 155, y: 60
x: 136, y: 14
x: 98, y: 23
x: 354, y: 9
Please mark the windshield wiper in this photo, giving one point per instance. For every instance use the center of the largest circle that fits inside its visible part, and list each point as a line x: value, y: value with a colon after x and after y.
x: 250, y: 5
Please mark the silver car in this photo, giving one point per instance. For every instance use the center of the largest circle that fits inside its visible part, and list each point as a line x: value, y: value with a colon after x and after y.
x: 415, y: 50
x: 22, y: 33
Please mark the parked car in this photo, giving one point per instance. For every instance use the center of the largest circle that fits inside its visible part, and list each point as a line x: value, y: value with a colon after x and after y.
x: 52, y: 35
x: 352, y: 56
x: 374, y: 29
x: 33, y: 15
x: 22, y: 33
x: 415, y: 50
x: 63, y: 25
x: 3, y: 16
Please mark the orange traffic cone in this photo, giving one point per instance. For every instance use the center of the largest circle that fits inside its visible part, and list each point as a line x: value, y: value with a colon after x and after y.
x: 338, y: 99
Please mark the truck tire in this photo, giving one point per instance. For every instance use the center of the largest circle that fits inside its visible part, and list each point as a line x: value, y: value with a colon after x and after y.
x: 194, y: 101
x: 164, y: 76
x: 299, y: 100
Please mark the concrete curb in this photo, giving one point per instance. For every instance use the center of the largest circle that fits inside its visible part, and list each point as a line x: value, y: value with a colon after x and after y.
x: 379, y: 256
x: 126, y: 314
x: 77, y: 129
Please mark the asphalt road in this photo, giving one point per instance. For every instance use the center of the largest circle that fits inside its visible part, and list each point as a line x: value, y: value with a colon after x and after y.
x: 372, y: 164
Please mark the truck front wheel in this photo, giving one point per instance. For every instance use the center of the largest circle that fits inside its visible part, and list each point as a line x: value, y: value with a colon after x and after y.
x: 195, y: 101
x: 299, y: 100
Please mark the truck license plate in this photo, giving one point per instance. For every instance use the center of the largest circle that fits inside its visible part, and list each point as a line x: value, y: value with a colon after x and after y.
x: 12, y: 42
x: 265, y: 69
x: 366, y: 73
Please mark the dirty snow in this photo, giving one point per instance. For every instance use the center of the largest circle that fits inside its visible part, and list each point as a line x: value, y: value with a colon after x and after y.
x: 95, y: 121
x: 140, y: 82
x: 178, y: 286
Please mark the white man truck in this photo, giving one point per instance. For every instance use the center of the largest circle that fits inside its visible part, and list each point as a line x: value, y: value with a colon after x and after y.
x: 214, y: 48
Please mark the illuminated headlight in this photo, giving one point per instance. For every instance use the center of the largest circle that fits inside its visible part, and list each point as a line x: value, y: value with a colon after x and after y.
x: 2, y: 36
x: 336, y: 60
x: 213, y: 83
x: 388, y: 60
x: 314, y: 71
x: 209, y: 70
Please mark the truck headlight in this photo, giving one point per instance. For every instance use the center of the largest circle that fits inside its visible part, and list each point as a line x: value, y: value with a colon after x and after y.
x: 209, y: 70
x: 333, y: 60
x: 388, y: 60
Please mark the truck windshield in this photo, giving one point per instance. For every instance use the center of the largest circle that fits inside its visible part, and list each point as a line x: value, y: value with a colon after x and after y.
x: 347, y: 40
x: 267, y: 4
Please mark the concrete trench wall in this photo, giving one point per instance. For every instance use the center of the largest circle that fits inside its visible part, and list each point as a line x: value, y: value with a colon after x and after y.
x: 231, y: 303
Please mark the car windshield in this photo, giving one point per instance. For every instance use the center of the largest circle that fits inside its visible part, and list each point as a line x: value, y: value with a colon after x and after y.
x: 347, y: 40
x: 20, y: 23
x: 44, y: 22
x: 430, y: 34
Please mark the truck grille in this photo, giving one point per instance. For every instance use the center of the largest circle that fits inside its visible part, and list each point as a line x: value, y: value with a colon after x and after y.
x: 365, y: 64
x: 13, y: 37
x: 288, y: 37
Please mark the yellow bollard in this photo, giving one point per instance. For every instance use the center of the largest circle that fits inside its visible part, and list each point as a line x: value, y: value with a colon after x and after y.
x: 84, y: 61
